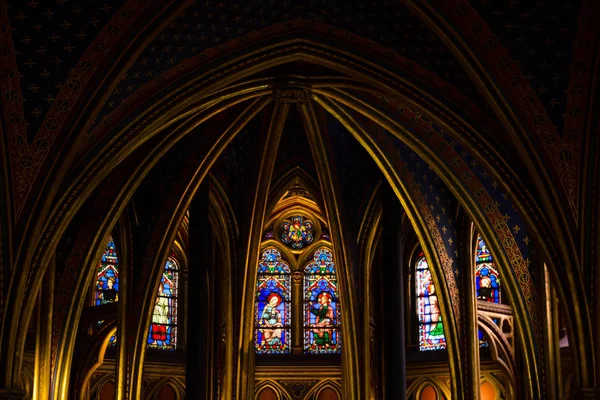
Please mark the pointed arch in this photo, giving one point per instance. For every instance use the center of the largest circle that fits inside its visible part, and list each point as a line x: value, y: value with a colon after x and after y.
x: 279, y: 390
x: 417, y: 386
x: 176, y: 384
x: 578, y: 304
x: 330, y: 384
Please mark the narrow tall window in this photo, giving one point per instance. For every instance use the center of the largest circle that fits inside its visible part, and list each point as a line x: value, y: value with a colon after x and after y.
x: 431, y: 330
x: 487, y: 279
x: 107, y: 277
x: 321, y: 305
x: 163, y: 329
x: 272, y: 313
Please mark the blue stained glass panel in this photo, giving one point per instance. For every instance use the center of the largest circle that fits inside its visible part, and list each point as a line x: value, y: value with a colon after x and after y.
x: 272, y: 310
x: 487, y: 278
x: 296, y: 231
x: 431, y: 329
x: 107, y: 277
x: 322, y: 311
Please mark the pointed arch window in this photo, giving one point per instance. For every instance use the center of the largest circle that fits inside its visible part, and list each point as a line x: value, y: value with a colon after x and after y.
x: 272, y: 305
x: 431, y: 329
x: 163, y: 328
x: 487, y: 278
x: 107, y: 277
x: 321, y: 305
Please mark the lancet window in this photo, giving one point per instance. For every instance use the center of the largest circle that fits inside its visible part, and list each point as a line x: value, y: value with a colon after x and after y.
x: 163, y: 327
x: 431, y: 329
x: 487, y: 279
x: 297, y: 302
x: 107, y: 277
x: 321, y: 305
x: 272, y: 304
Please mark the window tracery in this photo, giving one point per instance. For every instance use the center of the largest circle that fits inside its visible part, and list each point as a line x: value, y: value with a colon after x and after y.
x: 296, y: 232
x: 296, y: 293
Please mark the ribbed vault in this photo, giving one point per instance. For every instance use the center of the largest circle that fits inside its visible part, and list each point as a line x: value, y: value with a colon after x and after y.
x: 237, y: 119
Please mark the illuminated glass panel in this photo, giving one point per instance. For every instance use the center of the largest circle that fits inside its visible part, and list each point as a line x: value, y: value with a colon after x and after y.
x: 272, y: 314
x: 487, y: 279
x: 322, y: 333
x: 163, y: 328
x: 107, y: 278
x: 431, y: 329
x: 296, y: 231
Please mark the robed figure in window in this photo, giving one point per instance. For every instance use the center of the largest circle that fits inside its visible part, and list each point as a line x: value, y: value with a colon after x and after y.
x: 271, y: 321
x: 324, y: 314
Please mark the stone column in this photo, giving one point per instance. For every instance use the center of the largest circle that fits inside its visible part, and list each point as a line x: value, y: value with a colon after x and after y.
x: 297, y: 313
x: 469, y: 298
x: 43, y: 350
x: 199, y: 301
x: 393, y: 298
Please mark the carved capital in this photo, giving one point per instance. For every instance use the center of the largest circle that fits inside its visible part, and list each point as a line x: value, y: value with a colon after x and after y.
x: 297, y: 277
x: 292, y: 95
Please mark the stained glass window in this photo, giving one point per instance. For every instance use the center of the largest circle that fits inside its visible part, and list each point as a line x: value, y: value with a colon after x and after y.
x: 487, y: 279
x: 163, y: 328
x: 107, y: 278
x: 272, y: 313
x: 431, y: 329
x: 296, y: 231
x: 321, y: 306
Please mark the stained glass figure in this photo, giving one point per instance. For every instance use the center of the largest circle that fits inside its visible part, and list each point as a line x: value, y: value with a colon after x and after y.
x: 322, y: 333
x: 107, y: 278
x: 296, y: 231
x: 487, y: 279
x: 272, y: 314
x: 163, y: 329
x: 431, y: 329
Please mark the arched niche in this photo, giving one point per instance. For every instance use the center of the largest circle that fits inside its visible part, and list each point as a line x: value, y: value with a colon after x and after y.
x: 107, y: 392
x: 327, y: 394
x: 428, y: 393
x: 167, y: 393
x: 267, y: 393
x: 488, y: 391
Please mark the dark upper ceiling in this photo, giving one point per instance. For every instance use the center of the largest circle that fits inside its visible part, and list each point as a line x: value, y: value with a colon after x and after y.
x: 539, y: 35
x: 51, y: 37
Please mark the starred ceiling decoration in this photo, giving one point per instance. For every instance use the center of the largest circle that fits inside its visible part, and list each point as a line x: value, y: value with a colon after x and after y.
x: 49, y: 38
x: 207, y: 24
x: 539, y: 35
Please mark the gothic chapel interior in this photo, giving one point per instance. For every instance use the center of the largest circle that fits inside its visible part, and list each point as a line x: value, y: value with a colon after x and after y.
x: 283, y: 200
